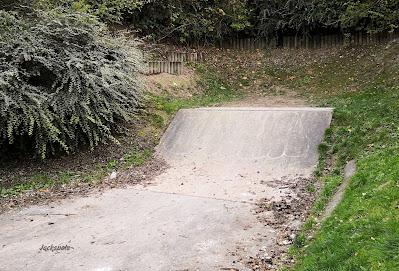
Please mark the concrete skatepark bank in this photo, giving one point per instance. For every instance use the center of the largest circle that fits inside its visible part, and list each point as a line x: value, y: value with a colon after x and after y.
x: 202, y: 213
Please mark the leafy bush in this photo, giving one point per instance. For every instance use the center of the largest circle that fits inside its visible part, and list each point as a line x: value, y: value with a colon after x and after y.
x: 185, y: 21
x: 298, y: 16
x: 370, y: 16
x: 106, y: 10
x: 63, y: 82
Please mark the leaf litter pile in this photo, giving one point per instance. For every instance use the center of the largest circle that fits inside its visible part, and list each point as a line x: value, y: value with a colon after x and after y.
x: 286, y: 217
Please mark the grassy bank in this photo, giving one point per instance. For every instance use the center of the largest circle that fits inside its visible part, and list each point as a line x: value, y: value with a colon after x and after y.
x: 363, y: 231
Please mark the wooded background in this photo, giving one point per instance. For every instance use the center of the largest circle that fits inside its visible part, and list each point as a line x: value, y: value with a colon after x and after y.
x: 207, y: 22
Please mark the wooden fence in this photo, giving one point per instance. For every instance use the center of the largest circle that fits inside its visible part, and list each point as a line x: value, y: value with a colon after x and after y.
x: 315, y: 42
x: 330, y: 41
x: 248, y: 43
x: 183, y: 57
x: 171, y: 67
x: 310, y: 42
x: 173, y: 63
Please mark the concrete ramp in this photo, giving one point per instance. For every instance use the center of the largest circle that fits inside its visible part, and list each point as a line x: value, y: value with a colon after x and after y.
x: 230, y: 153
x: 277, y: 138
x: 195, y: 216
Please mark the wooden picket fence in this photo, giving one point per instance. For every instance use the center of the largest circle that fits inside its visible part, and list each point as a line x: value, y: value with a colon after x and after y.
x: 315, y: 42
x: 183, y: 57
x: 248, y: 43
x: 174, y: 62
x: 171, y: 67
x: 330, y: 41
x: 310, y: 42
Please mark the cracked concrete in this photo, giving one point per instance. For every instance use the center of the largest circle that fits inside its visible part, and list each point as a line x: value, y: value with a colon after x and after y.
x: 189, y: 218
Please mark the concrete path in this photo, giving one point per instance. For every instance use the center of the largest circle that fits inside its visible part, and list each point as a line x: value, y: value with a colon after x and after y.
x: 195, y: 216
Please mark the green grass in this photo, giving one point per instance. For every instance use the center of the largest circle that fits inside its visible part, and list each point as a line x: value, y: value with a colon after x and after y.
x: 36, y: 182
x: 363, y: 231
x: 213, y: 87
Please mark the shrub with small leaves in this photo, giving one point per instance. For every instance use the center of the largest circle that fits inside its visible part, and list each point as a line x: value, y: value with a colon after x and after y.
x: 63, y: 81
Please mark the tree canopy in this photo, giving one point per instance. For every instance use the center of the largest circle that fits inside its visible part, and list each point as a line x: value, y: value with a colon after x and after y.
x: 207, y: 21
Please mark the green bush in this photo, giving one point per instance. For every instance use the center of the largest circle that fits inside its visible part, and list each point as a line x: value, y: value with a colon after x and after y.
x: 63, y: 81
x: 298, y: 16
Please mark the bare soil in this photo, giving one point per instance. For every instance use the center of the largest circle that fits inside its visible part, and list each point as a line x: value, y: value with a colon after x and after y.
x: 282, y: 98
x: 164, y: 84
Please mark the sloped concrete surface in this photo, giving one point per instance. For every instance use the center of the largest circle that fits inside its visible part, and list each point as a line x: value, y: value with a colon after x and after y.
x: 230, y: 153
x: 189, y: 218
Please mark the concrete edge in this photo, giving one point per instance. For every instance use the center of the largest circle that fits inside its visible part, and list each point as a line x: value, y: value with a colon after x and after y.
x: 323, y: 109
x: 349, y: 172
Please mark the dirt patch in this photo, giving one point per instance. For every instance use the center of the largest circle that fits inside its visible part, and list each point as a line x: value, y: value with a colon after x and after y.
x: 281, y: 97
x: 164, y: 84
